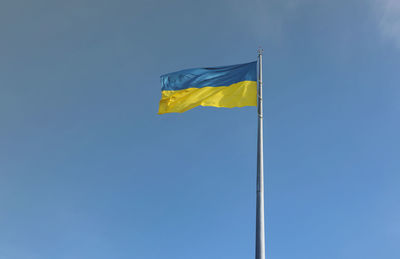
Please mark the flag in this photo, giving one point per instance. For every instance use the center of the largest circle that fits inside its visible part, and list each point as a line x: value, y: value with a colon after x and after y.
x: 226, y: 86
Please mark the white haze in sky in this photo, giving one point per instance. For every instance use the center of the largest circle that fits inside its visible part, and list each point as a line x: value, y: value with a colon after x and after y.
x: 389, y: 19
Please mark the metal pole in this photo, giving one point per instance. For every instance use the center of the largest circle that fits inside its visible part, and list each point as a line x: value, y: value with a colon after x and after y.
x: 260, y: 229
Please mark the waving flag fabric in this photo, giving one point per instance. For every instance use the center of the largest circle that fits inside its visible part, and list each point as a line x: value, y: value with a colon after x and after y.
x: 226, y: 86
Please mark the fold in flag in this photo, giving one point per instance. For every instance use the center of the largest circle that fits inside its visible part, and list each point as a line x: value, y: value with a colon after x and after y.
x: 227, y: 86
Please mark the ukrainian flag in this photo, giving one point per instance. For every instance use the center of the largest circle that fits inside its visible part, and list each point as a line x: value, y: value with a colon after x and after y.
x: 227, y: 86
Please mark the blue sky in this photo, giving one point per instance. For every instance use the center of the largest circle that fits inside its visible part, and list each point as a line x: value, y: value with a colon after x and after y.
x: 89, y: 170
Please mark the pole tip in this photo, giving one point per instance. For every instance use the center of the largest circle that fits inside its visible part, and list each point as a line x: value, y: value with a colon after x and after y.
x: 260, y: 50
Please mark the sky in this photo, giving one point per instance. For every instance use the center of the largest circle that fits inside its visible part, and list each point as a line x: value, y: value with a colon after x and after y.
x: 89, y: 170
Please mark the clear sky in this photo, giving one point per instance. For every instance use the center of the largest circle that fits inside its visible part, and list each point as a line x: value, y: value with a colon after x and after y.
x: 89, y: 170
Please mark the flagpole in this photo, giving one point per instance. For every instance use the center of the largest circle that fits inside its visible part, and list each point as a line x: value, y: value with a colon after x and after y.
x: 260, y: 228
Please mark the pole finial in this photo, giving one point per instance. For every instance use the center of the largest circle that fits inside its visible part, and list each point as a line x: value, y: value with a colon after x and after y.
x: 260, y: 50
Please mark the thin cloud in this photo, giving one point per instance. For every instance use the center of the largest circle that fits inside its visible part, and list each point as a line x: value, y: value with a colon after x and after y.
x: 389, y: 22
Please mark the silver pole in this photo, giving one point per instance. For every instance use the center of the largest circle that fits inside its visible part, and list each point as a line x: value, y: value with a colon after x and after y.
x: 260, y: 229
